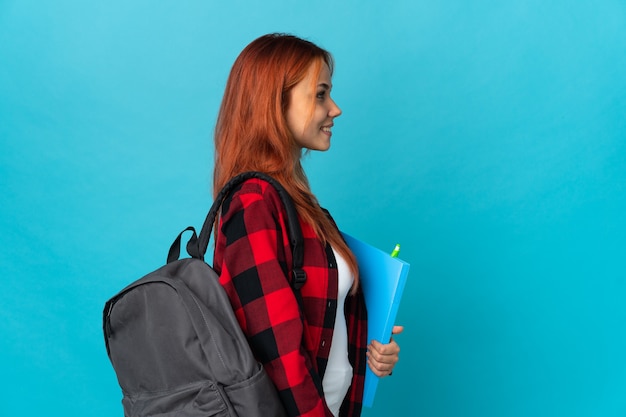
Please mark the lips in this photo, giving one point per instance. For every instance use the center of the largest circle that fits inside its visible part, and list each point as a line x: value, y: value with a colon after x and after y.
x: 326, y: 129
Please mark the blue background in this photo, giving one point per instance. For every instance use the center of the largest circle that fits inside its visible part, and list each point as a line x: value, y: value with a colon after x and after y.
x: 487, y: 137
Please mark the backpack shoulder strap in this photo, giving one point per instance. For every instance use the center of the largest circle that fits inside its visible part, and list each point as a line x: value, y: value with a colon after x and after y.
x: 197, y: 246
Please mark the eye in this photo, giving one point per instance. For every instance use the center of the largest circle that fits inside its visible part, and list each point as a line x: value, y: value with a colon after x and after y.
x: 321, y: 95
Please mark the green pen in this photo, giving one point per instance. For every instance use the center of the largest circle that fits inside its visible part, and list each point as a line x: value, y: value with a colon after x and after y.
x: 395, y: 251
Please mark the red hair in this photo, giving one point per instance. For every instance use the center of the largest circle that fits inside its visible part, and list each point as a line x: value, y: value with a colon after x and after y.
x: 251, y: 133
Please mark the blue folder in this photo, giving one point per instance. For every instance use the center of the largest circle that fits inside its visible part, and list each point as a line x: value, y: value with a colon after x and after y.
x: 382, y: 279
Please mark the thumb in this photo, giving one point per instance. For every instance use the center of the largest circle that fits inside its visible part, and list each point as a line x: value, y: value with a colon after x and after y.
x: 397, y: 329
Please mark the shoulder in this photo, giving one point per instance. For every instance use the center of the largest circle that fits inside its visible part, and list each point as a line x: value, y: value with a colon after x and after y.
x: 254, y: 195
x: 256, y: 187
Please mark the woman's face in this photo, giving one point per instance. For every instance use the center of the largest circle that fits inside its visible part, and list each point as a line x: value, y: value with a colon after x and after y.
x: 311, y: 112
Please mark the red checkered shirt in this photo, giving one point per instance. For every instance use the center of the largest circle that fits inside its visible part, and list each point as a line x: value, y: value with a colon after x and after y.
x: 253, y: 257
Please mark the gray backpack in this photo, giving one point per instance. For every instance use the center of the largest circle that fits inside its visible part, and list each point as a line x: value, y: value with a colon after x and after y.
x: 173, y: 339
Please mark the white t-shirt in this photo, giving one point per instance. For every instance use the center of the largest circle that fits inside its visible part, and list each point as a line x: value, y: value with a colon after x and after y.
x: 338, y: 375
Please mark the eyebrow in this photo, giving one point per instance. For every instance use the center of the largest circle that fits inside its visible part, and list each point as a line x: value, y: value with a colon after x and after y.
x: 324, y: 86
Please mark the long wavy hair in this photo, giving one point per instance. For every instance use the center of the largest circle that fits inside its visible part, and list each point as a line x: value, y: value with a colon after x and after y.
x: 251, y: 133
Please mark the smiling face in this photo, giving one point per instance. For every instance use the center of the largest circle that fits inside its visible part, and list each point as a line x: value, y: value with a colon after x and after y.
x: 311, y: 111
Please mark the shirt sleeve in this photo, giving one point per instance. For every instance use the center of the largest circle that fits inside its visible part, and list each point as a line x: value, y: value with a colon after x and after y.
x: 253, y: 257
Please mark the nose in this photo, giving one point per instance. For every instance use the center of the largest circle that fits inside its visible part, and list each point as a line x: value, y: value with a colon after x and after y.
x: 334, y: 110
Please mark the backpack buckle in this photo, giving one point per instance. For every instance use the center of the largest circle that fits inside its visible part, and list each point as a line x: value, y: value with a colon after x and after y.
x: 298, y: 278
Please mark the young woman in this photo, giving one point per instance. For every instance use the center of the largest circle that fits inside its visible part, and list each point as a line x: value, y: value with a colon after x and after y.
x: 277, y: 105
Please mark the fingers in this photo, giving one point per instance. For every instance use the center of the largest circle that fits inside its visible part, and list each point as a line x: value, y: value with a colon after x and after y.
x: 389, y: 349
x: 382, y: 358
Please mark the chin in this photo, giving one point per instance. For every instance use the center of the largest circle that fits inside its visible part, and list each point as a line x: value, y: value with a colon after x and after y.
x: 320, y: 145
x: 324, y: 146
x: 321, y: 148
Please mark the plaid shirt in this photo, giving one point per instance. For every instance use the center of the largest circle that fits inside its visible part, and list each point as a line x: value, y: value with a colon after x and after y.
x: 253, y: 257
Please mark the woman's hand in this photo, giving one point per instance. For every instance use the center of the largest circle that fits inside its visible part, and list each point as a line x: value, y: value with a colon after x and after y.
x: 382, y: 358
